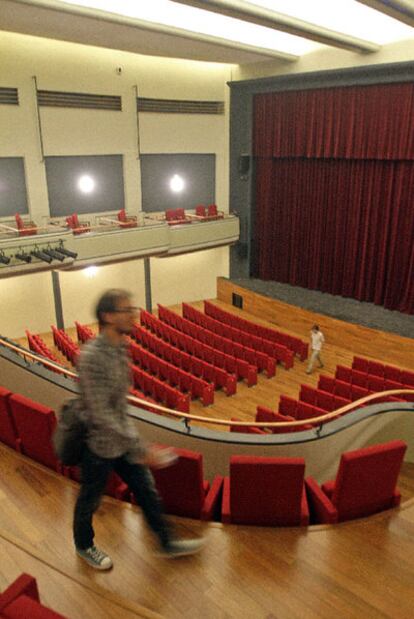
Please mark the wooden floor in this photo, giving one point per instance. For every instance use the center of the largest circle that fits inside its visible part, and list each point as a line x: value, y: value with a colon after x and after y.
x: 361, y: 569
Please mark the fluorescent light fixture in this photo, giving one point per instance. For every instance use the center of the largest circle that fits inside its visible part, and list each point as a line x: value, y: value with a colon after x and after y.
x: 177, y: 183
x: 86, y: 184
x: 200, y: 21
x: 90, y: 272
x: 346, y: 16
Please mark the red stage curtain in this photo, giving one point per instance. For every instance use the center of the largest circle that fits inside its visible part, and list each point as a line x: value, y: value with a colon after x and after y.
x: 358, y: 122
x: 340, y: 226
x: 335, y: 191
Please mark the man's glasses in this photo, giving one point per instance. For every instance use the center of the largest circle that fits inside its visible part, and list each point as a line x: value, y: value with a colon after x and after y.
x: 126, y: 310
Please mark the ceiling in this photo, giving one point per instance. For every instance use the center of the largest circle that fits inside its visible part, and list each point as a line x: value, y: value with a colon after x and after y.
x: 226, y: 31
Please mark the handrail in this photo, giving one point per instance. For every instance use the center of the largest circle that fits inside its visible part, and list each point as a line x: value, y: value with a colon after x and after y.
x: 222, y: 422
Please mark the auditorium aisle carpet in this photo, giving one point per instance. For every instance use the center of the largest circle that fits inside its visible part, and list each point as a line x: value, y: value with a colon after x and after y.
x: 349, y: 310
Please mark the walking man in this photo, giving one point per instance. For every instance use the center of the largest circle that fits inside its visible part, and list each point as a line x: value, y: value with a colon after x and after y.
x: 113, y: 443
x: 317, y: 341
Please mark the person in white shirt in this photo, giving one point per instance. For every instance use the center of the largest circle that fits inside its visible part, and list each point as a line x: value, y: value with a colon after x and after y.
x: 317, y: 340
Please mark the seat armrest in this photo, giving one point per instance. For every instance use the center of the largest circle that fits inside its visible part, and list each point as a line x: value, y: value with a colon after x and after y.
x: 212, y: 502
x: 321, y: 508
x: 225, y: 505
x: 304, y: 509
x: 23, y: 585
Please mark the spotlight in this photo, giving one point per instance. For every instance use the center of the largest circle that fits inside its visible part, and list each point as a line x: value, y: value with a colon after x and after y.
x: 67, y: 252
x: 23, y: 257
x: 42, y: 256
x: 177, y: 183
x: 86, y: 183
x: 3, y: 258
x: 55, y: 254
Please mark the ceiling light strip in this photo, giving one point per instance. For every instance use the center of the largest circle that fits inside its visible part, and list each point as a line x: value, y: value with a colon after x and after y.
x: 70, y: 9
x: 278, y: 21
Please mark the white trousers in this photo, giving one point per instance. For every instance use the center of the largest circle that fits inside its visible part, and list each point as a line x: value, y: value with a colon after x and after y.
x: 316, y: 355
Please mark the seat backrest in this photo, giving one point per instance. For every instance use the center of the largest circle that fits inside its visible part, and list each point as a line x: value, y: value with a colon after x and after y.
x: 266, y: 491
x: 170, y: 214
x: 35, y: 424
x: 181, y: 485
x: 19, y: 221
x: 179, y: 213
x: 122, y: 215
x: 75, y: 220
x: 8, y: 432
x: 212, y: 210
x: 367, y: 479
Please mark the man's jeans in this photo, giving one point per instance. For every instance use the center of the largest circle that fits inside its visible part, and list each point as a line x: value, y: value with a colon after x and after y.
x: 95, y: 473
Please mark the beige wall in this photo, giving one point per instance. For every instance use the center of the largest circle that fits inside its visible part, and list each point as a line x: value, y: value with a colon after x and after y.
x: 26, y: 302
x: 70, y: 67
x: 80, y: 292
x: 328, y: 58
x: 189, y: 277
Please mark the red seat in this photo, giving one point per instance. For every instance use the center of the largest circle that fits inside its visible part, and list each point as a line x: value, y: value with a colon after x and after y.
x: 326, y: 383
x: 21, y: 601
x: 25, y: 229
x: 376, y: 369
x: 245, y: 429
x: 8, y: 432
x: 360, y: 364
x: 392, y: 373
x: 265, y: 491
x: 35, y: 425
x: 184, y: 491
x: 366, y: 483
x: 200, y: 210
x: 343, y: 373
x: 77, y: 226
x: 288, y: 406
x: 265, y: 414
x: 126, y: 221
x: 307, y: 394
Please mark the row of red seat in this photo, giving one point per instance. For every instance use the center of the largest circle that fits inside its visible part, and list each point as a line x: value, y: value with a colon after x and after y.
x: 383, y: 370
x: 372, y: 384
x: 160, y: 391
x: 27, y: 427
x: 222, y: 344
x: 295, y: 344
x: 266, y: 352
x: 39, y: 346
x: 21, y: 601
x: 176, y: 377
x: 210, y: 373
x: 66, y: 345
x: 231, y: 364
x: 261, y: 491
x: 83, y: 332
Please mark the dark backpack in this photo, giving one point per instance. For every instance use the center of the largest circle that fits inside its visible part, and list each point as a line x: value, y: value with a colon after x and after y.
x: 70, y: 434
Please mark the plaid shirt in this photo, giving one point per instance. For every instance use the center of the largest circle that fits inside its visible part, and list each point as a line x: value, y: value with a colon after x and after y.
x: 104, y: 379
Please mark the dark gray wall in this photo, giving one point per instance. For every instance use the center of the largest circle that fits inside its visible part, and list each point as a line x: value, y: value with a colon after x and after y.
x: 65, y: 197
x: 198, y: 172
x: 242, y: 184
x: 13, y: 194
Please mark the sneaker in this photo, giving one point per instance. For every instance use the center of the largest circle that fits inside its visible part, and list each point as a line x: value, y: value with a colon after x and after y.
x: 96, y: 558
x: 182, y: 547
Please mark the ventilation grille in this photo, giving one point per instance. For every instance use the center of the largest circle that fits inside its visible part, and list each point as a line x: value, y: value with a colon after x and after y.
x: 9, y: 96
x: 179, y: 106
x: 50, y: 98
